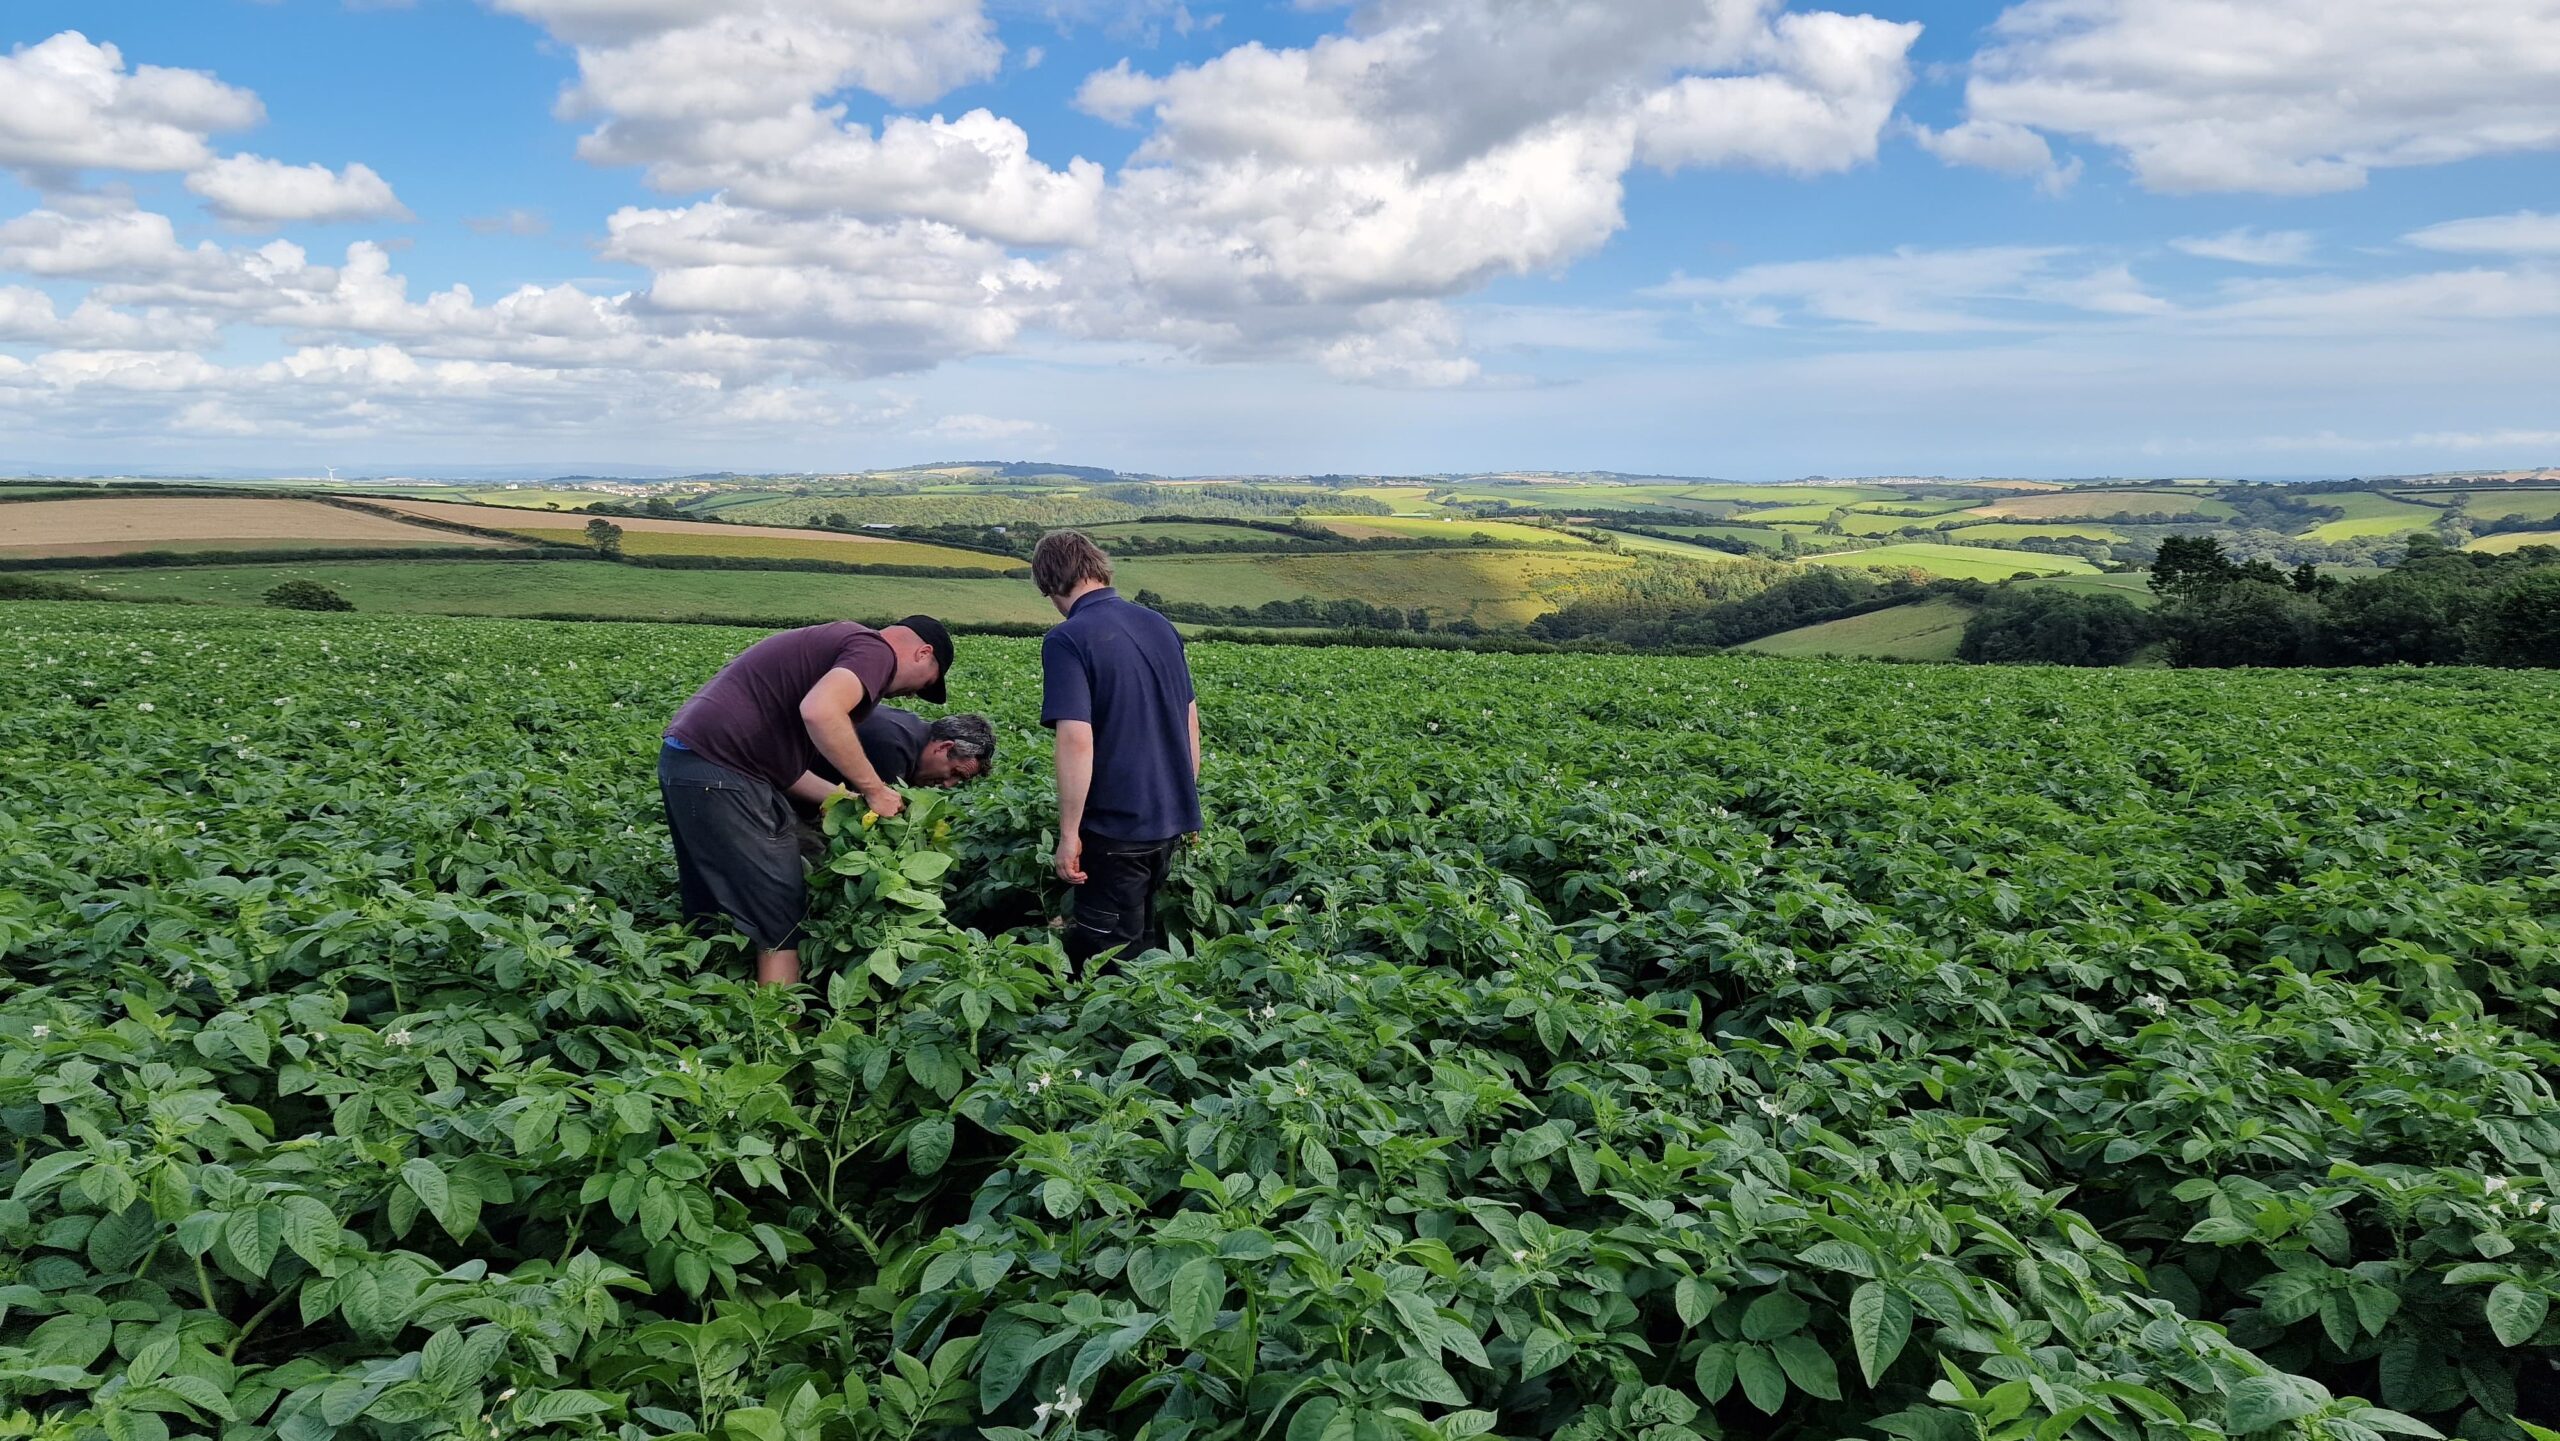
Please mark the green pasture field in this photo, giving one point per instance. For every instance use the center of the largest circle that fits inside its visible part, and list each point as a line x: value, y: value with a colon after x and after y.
x: 1755, y: 534
x: 1490, y: 586
x: 1629, y: 540
x: 2514, y: 540
x: 1397, y: 497
x: 529, y: 497
x: 2095, y: 504
x: 2507, y: 502
x: 1182, y: 530
x: 973, y: 505
x: 1858, y: 522
x: 2134, y: 586
x: 717, y: 540
x: 1923, y: 630
x: 722, y: 502
x: 1960, y: 562
x: 2031, y: 530
x: 1811, y: 511
x: 2371, y: 513
x: 1914, y: 505
x: 1448, y: 527
x: 518, y: 588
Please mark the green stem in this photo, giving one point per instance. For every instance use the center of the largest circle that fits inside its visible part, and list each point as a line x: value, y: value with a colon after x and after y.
x: 263, y: 1312
x: 204, y: 1287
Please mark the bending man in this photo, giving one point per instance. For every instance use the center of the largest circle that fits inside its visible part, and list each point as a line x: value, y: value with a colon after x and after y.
x: 771, y: 728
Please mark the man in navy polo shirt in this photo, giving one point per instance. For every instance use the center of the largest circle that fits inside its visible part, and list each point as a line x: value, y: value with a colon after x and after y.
x: 1117, y: 690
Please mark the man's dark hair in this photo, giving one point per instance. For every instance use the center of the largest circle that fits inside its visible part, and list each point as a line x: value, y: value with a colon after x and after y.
x: 972, y: 739
x: 1065, y: 559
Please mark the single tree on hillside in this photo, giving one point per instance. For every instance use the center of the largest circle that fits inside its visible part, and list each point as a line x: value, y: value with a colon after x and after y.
x: 2188, y: 565
x: 606, y: 537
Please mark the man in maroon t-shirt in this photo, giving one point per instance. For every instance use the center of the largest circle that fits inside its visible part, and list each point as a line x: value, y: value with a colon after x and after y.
x: 754, y: 738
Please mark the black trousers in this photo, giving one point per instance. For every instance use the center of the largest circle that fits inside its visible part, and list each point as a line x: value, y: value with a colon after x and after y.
x: 1116, y: 905
x: 737, y: 848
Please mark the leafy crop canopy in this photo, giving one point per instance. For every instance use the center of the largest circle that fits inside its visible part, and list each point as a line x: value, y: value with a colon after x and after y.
x: 1577, y: 1047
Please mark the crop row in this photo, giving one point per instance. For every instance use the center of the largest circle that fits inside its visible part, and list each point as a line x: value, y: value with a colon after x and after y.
x: 1588, y: 1047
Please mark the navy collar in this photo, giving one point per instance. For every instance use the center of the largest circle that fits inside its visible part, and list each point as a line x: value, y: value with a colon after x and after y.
x: 1089, y: 597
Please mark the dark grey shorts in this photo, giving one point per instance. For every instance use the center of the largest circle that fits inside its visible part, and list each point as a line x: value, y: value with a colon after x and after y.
x: 737, y: 848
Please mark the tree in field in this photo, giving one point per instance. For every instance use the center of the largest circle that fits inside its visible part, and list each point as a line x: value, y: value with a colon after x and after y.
x: 2244, y: 622
x: 606, y: 537
x: 2054, y: 627
x: 306, y: 595
x: 2189, y: 565
x: 2521, y: 623
x: 2403, y: 617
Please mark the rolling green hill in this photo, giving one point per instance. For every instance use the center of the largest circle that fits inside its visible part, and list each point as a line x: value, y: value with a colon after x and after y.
x: 1922, y: 630
x: 1958, y: 562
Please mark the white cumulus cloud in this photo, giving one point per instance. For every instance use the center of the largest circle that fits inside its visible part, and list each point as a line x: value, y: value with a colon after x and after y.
x: 976, y: 172
x: 69, y: 104
x: 1998, y: 145
x: 692, y: 60
x: 252, y: 189
x: 2287, y: 97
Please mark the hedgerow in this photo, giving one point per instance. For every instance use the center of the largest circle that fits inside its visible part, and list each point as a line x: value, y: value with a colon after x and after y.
x: 1590, y: 1047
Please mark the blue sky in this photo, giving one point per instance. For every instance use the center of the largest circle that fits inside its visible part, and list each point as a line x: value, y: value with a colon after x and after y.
x: 1722, y: 237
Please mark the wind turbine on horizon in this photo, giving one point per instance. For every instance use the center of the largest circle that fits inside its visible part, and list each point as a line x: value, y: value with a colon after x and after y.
x: 333, y: 473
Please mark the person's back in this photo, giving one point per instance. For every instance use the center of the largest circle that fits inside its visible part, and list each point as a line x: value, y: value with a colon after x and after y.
x: 1117, y: 689
x: 1136, y: 691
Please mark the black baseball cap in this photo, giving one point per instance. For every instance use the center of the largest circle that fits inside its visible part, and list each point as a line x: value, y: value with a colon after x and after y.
x: 932, y: 633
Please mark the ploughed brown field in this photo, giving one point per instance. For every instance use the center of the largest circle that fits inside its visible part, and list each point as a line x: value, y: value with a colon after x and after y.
x: 650, y: 536
x: 117, y: 525
x: 497, y: 517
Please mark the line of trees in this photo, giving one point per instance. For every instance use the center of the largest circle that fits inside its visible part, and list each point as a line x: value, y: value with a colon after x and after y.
x: 1673, y: 605
x: 1303, y: 611
x: 2437, y: 607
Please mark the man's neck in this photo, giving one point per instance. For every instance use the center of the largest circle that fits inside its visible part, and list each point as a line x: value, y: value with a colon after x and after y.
x: 1085, y: 588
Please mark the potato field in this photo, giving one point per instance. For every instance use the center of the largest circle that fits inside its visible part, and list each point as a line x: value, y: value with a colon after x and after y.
x: 1615, y: 1049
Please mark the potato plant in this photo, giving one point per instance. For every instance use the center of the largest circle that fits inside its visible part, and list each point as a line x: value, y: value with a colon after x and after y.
x: 1551, y: 1047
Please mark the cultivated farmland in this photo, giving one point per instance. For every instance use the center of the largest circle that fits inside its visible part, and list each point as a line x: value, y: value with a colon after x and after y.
x: 651, y: 536
x: 589, y: 588
x: 119, y: 525
x: 1582, y: 1047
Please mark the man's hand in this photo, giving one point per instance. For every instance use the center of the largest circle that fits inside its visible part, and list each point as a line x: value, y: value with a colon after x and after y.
x: 885, y: 801
x: 1070, y: 859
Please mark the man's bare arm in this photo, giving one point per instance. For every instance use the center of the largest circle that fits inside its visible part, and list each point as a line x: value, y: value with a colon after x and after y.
x: 1195, y: 740
x: 1075, y: 781
x: 814, y: 788
x: 827, y: 710
x: 1075, y: 773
